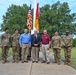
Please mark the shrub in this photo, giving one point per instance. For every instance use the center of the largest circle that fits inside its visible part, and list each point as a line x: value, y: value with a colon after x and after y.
x: 74, y: 42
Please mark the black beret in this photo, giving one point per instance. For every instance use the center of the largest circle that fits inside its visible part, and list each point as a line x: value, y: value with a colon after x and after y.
x: 56, y: 31
x: 16, y: 29
x: 6, y: 29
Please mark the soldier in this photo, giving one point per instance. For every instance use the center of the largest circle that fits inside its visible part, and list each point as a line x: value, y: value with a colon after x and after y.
x: 67, y: 40
x: 56, y: 43
x: 15, y: 46
x: 6, y: 43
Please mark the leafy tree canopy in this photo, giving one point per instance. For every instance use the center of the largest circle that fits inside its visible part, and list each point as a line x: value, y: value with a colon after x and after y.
x: 55, y: 17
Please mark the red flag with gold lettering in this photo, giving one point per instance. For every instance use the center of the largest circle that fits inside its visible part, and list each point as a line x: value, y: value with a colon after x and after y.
x: 36, y: 25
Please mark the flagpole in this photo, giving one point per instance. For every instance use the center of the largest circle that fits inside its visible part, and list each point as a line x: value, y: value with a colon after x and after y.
x: 34, y: 12
x: 35, y: 1
x: 31, y: 8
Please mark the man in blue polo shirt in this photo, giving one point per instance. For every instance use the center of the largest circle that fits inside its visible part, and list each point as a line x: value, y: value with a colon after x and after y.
x: 25, y: 42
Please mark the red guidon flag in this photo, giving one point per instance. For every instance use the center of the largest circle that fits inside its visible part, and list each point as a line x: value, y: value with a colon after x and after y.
x: 36, y: 25
x: 29, y: 19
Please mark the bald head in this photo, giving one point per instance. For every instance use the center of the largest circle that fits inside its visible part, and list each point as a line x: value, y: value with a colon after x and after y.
x: 25, y: 31
x: 45, y: 32
x: 35, y: 31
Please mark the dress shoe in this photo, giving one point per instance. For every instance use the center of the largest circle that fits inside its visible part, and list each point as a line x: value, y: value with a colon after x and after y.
x: 43, y: 61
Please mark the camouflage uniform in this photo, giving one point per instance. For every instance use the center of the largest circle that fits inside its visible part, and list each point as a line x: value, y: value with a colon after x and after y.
x: 15, y: 47
x: 67, y: 40
x: 56, y: 43
x: 6, y: 43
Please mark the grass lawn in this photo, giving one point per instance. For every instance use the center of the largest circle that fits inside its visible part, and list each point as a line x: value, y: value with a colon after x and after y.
x: 73, y: 56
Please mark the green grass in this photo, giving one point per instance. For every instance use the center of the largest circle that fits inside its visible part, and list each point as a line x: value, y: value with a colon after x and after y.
x: 73, y: 56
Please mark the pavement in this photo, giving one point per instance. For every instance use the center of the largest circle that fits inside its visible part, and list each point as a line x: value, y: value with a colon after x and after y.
x: 35, y: 68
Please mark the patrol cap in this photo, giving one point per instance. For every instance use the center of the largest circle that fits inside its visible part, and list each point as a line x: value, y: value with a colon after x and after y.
x: 6, y: 29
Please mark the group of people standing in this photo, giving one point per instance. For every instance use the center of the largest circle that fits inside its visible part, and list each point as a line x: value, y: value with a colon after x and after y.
x: 26, y: 45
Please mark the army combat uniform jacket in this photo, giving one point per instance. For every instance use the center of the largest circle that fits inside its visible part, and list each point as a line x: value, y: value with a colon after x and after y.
x: 67, y: 40
x: 6, y: 40
x: 56, y: 41
x: 15, y: 40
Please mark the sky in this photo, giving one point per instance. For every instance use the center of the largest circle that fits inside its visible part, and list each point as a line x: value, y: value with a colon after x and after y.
x: 4, y: 4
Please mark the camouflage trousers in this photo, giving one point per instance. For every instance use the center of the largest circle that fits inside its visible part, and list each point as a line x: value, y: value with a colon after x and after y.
x: 57, y: 55
x: 25, y: 52
x: 15, y: 50
x: 5, y: 50
x: 67, y: 54
x: 35, y: 53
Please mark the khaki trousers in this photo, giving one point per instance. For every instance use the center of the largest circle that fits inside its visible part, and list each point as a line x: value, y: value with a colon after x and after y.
x: 45, y: 53
x: 25, y: 51
x: 35, y: 53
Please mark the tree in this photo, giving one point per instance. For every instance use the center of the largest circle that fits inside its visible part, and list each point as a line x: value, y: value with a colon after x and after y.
x: 74, y: 42
x: 57, y: 17
x: 15, y: 17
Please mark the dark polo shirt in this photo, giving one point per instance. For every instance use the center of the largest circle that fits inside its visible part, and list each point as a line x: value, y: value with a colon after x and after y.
x: 45, y: 39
